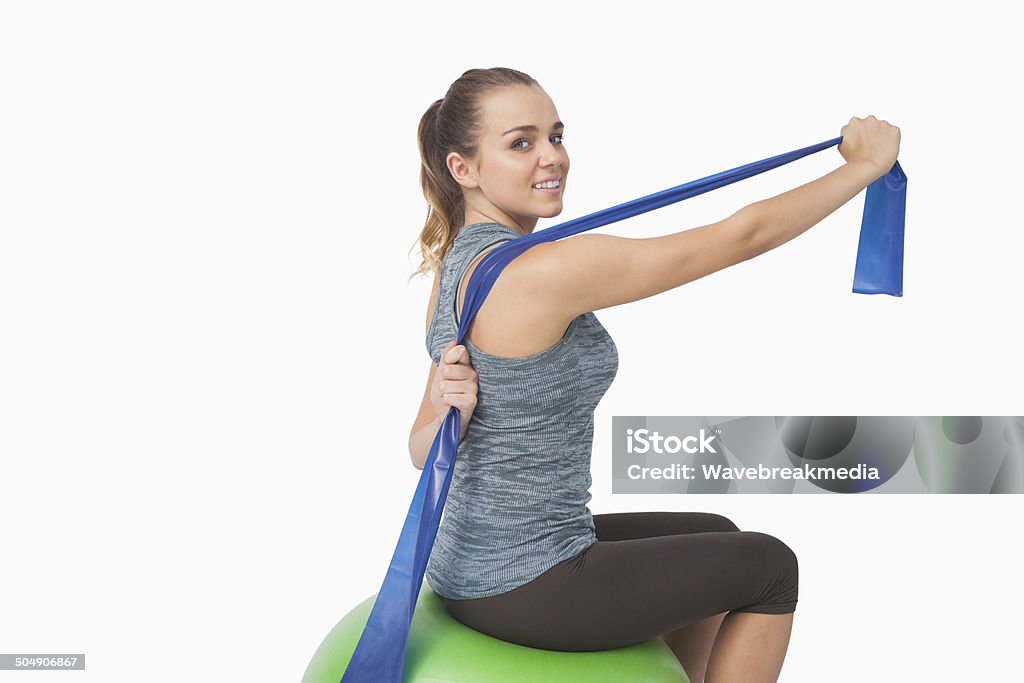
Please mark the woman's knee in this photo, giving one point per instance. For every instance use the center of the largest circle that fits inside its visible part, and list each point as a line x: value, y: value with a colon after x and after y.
x: 718, y: 522
x: 778, y: 555
x: 782, y: 580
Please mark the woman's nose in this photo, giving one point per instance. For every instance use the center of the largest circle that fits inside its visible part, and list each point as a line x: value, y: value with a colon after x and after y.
x: 552, y: 157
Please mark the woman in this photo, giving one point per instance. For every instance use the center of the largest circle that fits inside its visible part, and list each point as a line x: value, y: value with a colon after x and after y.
x: 518, y: 554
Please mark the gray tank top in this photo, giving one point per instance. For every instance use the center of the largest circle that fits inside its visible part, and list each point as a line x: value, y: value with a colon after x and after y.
x: 517, y: 504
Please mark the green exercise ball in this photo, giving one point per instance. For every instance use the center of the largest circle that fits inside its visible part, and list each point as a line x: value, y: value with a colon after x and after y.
x: 443, y: 650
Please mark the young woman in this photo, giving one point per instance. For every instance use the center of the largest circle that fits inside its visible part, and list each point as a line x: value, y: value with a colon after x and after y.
x: 518, y: 554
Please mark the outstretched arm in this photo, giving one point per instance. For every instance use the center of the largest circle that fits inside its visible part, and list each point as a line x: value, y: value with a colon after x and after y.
x: 585, y: 273
x: 779, y: 219
x: 870, y: 148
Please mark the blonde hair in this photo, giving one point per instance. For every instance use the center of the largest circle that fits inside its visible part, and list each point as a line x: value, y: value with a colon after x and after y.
x: 452, y: 124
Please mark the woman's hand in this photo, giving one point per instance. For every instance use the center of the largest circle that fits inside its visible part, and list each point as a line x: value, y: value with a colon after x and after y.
x: 871, y: 140
x: 455, y: 384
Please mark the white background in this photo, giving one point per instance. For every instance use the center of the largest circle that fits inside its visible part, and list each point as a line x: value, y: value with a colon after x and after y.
x: 212, y: 357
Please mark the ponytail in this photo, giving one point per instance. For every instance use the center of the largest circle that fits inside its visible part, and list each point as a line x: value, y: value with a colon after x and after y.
x: 452, y: 124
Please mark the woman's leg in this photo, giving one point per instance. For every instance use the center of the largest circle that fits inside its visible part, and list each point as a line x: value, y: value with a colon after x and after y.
x: 691, y: 644
x: 619, y: 593
x: 750, y: 647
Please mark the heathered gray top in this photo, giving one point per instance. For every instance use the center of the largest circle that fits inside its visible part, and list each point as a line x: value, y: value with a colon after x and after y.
x: 517, y: 504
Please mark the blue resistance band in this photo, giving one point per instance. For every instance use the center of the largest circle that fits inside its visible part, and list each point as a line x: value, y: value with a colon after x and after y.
x: 379, y: 656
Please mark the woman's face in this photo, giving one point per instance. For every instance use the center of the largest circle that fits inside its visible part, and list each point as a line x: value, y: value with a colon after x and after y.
x: 520, y: 146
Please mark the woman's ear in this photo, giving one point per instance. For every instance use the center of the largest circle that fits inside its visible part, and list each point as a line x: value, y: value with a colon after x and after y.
x: 462, y: 170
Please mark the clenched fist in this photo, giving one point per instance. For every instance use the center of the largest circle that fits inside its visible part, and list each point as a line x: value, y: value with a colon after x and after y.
x: 455, y: 384
x: 870, y: 140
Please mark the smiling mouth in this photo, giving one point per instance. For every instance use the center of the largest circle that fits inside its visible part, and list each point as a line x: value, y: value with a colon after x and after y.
x: 551, y: 188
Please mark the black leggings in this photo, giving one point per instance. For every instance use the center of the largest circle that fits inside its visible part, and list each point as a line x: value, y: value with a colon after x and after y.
x: 649, y: 573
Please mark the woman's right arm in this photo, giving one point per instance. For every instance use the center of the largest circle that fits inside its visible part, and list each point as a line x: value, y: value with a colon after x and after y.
x: 427, y: 422
x: 424, y: 427
x: 453, y: 382
x: 586, y: 273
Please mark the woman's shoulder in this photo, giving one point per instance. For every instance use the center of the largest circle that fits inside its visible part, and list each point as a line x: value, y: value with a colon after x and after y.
x: 510, y: 325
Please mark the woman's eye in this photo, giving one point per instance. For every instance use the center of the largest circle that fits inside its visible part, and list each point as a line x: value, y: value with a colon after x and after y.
x: 560, y: 136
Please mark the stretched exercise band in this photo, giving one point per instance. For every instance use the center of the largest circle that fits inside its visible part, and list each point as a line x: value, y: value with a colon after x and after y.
x: 379, y: 656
